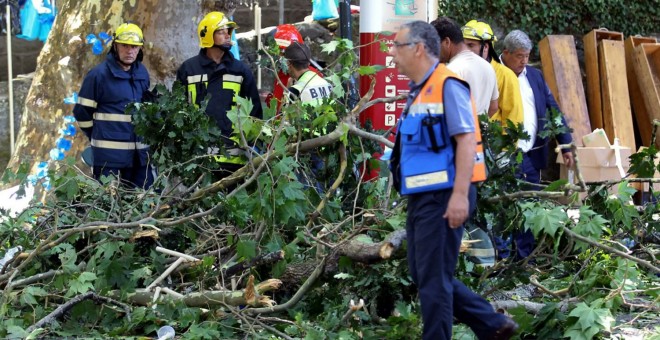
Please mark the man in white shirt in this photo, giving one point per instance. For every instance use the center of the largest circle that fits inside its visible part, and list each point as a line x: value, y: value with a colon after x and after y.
x: 476, y: 71
x: 537, y: 100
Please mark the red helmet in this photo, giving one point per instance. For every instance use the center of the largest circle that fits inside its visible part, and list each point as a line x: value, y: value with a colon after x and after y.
x: 286, y: 34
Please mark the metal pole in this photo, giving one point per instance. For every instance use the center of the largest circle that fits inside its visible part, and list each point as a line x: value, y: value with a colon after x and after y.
x: 10, y: 84
x: 345, y: 31
x: 281, y: 18
x: 257, y: 31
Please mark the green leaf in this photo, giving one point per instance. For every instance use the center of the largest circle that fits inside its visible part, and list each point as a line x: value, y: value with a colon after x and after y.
x: 16, y: 332
x: 371, y: 69
x: 397, y: 222
x: 543, y: 220
x: 246, y: 249
x: 35, y: 334
x: 330, y: 47
x: 207, y: 330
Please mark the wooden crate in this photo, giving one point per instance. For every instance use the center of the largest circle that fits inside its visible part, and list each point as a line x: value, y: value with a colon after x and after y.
x: 594, y: 100
x: 617, y: 116
x: 561, y: 70
x: 638, y: 105
x: 647, y: 69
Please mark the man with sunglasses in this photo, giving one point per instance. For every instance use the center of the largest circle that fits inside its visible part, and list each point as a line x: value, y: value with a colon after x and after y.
x: 479, y: 38
x: 438, y: 112
x: 215, y: 73
x: 106, y: 91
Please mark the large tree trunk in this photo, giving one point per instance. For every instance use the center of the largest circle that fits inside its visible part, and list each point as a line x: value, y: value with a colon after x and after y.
x: 169, y: 28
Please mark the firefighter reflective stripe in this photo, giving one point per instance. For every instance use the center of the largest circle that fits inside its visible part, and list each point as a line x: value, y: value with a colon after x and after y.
x: 232, y: 78
x: 86, y: 102
x: 113, y: 117
x: 192, y: 93
x: 84, y: 124
x: 232, y: 82
x: 197, y: 78
x: 231, y: 160
x: 427, y: 179
x: 118, y: 145
x: 193, y: 82
x: 234, y: 156
x: 426, y: 108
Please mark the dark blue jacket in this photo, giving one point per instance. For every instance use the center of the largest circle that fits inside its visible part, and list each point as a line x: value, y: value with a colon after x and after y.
x: 543, y: 100
x: 106, y: 91
x: 223, y: 82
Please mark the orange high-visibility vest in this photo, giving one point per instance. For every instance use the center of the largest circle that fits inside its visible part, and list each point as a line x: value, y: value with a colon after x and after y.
x: 431, y: 95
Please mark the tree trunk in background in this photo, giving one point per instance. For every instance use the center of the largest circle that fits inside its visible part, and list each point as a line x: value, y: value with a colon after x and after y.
x: 170, y: 31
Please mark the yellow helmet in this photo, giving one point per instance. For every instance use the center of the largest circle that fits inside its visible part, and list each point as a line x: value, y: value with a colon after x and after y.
x: 129, y: 34
x: 478, y: 30
x: 212, y: 22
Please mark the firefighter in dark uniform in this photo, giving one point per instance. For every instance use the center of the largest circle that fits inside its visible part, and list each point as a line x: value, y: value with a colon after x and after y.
x: 216, y: 73
x: 436, y: 158
x: 106, y: 91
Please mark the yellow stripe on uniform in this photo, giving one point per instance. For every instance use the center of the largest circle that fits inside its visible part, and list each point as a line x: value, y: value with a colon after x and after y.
x: 232, y: 82
x: 192, y: 94
x: 113, y: 117
x: 86, y: 102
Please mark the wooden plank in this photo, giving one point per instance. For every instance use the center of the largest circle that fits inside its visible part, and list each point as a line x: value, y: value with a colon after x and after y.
x: 617, y: 116
x: 636, y: 100
x: 647, y: 69
x: 561, y: 70
x: 594, y: 99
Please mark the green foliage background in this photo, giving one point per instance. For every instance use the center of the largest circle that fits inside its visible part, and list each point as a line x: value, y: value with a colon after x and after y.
x: 539, y: 18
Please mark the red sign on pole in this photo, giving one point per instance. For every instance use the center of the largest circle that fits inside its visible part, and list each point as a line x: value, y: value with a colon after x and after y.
x: 379, y: 20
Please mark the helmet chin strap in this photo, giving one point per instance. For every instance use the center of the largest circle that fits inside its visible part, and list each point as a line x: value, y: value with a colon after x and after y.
x: 224, y: 47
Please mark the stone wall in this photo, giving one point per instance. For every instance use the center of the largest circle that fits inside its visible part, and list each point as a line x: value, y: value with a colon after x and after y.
x: 24, y: 56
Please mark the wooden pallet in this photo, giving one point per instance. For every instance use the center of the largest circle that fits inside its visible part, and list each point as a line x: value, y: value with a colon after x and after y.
x: 591, y: 59
x: 561, y: 70
x: 617, y: 115
x: 640, y: 112
x: 647, y: 69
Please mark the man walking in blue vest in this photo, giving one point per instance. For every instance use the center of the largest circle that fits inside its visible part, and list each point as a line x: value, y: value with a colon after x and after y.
x: 432, y: 162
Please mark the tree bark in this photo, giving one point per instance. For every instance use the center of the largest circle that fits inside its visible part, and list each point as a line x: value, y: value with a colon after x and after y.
x: 170, y: 32
x: 250, y: 296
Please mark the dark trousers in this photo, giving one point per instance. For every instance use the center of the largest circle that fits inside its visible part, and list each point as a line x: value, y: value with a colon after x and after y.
x: 140, y: 176
x: 524, y: 240
x: 432, y: 257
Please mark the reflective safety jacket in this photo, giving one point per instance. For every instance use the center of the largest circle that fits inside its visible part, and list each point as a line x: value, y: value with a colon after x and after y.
x: 423, y: 158
x: 311, y: 88
x: 106, y: 91
x: 224, y: 82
